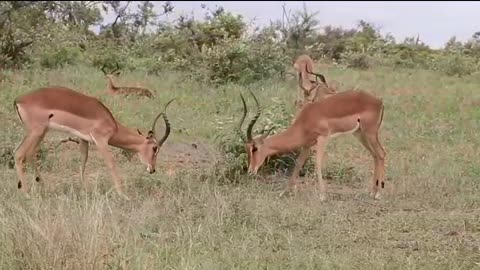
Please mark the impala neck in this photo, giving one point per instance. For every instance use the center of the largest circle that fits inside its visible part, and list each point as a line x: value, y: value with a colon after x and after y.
x: 111, y: 86
x: 126, y: 139
x: 285, y: 141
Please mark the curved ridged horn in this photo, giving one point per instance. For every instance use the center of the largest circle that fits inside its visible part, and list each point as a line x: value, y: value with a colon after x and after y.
x: 239, y: 129
x: 167, y: 124
x: 322, y: 78
x: 103, y: 69
x: 117, y: 68
x: 254, y: 120
x: 300, y: 83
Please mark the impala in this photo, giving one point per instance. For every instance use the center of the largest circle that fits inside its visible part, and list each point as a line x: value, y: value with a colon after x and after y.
x: 63, y: 109
x: 304, y: 67
x: 317, y: 90
x: 123, y: 90
x: 348, y: 112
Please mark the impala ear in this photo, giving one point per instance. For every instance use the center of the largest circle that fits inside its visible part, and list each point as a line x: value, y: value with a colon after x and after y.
x: 150, y: 134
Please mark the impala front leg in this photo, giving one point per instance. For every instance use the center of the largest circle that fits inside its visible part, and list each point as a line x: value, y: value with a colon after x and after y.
x: 320, y: 148
x: 84, y: 157
x: 24, y: 152
x: 34, y: 158
x: 109, y: 160
x: 302, y: 158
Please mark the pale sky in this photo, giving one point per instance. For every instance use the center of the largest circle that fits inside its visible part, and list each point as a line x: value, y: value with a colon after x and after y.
x: 435, y: 22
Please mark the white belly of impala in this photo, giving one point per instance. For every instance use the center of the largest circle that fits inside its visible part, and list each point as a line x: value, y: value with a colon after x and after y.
x: 334, y: 135
x: 58, y: 127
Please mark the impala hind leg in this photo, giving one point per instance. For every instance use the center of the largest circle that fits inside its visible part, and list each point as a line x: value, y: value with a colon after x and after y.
x: 379, y: 158
x: 24, y: 152
x: 33, y: 158
x: 320, y: 149
x: 371, y: 143
x: 362, y: 138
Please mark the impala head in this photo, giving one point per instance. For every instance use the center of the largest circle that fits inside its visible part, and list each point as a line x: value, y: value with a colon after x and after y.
x: 149, y: 148
x: 254, y: 146
x: 321, y: 87
x: 115, y: 72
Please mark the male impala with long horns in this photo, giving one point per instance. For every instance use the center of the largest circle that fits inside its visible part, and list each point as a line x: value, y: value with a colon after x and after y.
x: 62, y: 109
x: 348, y: 112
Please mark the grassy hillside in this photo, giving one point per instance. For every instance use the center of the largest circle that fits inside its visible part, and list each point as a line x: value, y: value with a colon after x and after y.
x: 186, y: 217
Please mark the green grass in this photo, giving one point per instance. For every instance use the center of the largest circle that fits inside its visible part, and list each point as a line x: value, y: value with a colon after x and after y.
x: 428, y: 218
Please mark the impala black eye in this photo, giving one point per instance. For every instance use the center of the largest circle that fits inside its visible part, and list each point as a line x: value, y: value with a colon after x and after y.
x: 254, y: 149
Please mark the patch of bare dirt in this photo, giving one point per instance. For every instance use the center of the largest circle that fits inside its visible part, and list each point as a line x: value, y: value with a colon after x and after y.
x: 186, y: 155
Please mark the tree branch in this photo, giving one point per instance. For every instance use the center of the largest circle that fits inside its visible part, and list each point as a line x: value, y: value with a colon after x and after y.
x: 119, y: 14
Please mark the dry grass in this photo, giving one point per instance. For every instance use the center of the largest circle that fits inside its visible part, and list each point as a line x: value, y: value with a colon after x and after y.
x: 179, y: 218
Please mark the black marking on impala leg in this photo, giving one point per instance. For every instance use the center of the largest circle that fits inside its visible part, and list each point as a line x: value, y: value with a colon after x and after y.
x: 383, y: 184
x: 19, y: 185
x: 376, y: 183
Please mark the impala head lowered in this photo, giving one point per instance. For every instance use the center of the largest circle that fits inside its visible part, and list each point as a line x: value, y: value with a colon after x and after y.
x: 346, y: 112
x: 149, y: 149
x: 253, y: 146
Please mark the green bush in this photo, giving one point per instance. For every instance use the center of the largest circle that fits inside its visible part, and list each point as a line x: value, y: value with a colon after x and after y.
x: 356, y: 60
x: 109, y: 55
x: 455, y: 65
x: 241, y: 61
x: 60, y: 57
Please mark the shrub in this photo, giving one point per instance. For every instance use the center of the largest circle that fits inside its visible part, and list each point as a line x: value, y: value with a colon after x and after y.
x: 455, y: 65
x: 60, y: 57
x: 241, y: 61
x: 356, y: 60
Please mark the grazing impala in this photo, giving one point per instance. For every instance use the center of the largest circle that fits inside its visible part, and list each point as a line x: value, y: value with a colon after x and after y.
x: 123, y: 90
x: 348, y: 112
x: 62, y: 109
